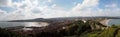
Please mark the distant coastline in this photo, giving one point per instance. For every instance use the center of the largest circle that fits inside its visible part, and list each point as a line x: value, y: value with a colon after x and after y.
x: 114, y: 21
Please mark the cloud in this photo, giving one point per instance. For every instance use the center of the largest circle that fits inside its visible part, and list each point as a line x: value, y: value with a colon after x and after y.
x: 86, y: 8
x: 111, y: 5
x: 86, y: 4
x: 91, y: 8
x: 112, y: 10
x: 20, y: 13
x: 29, y: 9
x: 1, y: 11
x: 53, y: 6
x: 5, y: 2
x: 49, y: 1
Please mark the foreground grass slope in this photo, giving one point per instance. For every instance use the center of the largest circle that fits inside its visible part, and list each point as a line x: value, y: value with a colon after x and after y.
x: 110, y: 32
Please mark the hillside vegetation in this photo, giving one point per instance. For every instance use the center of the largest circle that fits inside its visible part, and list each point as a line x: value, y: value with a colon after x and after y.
x: 75, y: 29
x: 93, y: 29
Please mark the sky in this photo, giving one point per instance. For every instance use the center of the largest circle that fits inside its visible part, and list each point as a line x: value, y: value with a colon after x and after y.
x: 29, y: 9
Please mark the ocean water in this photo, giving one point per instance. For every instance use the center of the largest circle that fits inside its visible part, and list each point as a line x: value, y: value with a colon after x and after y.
x: 26, y: 24
x: 114, y: 21
x: 11, y: 24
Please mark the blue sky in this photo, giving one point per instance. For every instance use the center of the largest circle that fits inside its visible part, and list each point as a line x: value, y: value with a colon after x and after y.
x: 28, y: 9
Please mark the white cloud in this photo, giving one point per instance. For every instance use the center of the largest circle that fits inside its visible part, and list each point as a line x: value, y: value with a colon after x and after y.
x: 49, y: 1
x: 111, y: 5
x: 2, y: 14
x: 1, y: 11
x: 114, y: 11
x: 34, y: 9
x: 85, y: 9
x: 53, y: 6
x: 86, y: 4
x: 90, y: 8
x: 21, y: 13
x: 51, y: 13
x: 111, y: 10
x: 5, y: 2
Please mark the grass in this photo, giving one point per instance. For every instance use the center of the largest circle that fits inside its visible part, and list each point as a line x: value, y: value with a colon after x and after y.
x: 108, y: 33
x: 118, y: 34
x: 91, y: 34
